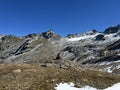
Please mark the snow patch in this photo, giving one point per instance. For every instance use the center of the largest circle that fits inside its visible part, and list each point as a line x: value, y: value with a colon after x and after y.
x: 82, y: 37
x: 110, y: 35
x: 70, y: 86
x: 114, y: 87
x: 118, y: 54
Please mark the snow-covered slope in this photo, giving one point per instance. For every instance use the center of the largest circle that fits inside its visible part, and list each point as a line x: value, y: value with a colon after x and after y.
x: 82, y: 37
x: 109, y: 37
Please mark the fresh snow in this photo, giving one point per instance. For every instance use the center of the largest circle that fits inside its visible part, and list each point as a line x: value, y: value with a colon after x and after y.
x: 111, y: 36
x: 114, y: 87
x: 82, y: 37
x: 108, y: 37
x: 70, y: 86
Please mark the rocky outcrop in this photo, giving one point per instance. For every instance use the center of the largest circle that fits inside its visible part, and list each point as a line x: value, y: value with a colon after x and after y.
x: 99, y: 37
x: 106, y: 59
x: 114, y: 46
x: 8, y: 45
x: 21, y: 48
x: 65, y: 55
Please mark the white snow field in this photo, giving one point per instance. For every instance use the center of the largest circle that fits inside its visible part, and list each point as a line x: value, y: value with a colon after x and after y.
x: 82, y: 37
x: 70, y: 86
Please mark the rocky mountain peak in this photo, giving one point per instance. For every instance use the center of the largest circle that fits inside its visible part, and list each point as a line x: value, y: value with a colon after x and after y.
x: 112, y: 29
x: 50, y: 35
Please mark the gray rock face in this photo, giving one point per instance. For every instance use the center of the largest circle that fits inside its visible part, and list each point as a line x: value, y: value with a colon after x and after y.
x: 8, y: 45
x: 65, y: 55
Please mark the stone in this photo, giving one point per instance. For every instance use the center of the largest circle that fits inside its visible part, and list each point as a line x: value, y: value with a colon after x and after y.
x: 17, y: 70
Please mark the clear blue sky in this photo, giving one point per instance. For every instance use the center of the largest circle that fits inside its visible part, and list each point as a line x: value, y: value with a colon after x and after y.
x: 21, y: 17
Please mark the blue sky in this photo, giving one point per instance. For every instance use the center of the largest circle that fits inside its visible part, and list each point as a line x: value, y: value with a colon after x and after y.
x: 21, y: 17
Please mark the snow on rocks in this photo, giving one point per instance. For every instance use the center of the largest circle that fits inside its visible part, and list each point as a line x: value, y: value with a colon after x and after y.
x: 109, y: 70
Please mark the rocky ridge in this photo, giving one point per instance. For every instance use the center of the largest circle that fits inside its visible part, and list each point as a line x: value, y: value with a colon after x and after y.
x: 92, y: 48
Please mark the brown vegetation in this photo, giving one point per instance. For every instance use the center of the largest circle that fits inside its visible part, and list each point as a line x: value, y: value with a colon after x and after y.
x: 38, y: 77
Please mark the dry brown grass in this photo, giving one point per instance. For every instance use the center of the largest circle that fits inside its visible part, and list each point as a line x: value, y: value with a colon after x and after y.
x: 35, y: 77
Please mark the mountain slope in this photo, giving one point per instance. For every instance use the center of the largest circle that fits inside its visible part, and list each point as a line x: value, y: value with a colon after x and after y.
x: 92, y: 48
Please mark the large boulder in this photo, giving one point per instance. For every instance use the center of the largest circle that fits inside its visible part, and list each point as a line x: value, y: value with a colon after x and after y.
x: 65, y: 55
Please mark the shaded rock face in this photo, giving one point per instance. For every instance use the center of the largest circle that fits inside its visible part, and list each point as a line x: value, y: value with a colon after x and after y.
x: 114, y: 46
x: 111, y: 30
x: 31, y: 35
x: 103, y: 59
x: 21, y: 48
x: 100, y: 37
